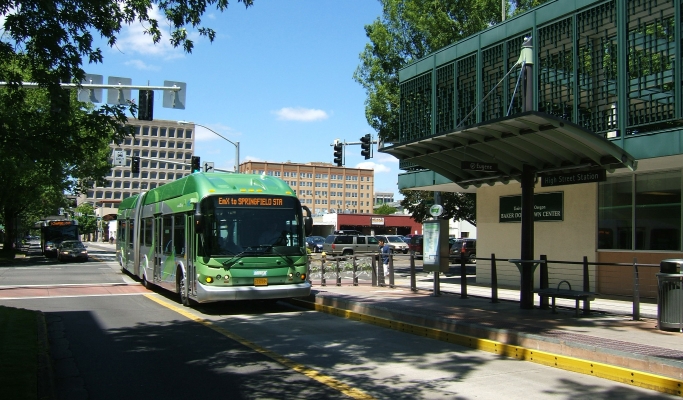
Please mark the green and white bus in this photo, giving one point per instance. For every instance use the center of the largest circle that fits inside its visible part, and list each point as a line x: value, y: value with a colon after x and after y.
x: 204, y: 237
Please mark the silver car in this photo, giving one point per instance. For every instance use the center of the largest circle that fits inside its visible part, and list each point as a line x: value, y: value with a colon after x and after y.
x: 395, y: 242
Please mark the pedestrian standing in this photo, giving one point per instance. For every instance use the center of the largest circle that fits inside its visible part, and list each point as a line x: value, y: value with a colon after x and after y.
x: 385, y: 250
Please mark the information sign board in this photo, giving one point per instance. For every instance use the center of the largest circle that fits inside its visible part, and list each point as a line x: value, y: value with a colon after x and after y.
x: 547, y: 207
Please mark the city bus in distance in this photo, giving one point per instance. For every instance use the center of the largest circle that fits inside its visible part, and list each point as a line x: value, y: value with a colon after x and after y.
x: 208, y: 237
x: 56, y: 231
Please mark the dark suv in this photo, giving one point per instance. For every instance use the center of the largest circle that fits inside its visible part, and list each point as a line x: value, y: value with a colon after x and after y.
x: 464, y: 247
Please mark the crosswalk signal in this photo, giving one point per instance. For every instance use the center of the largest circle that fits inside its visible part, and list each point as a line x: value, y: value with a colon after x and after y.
x: 146, y: 105
x: 196, y: 164
x: 135, y: 164
x: 366, y: 146
x: 338, y: 154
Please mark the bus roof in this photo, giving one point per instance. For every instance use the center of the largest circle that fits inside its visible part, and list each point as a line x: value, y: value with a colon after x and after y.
x: 207, y: 183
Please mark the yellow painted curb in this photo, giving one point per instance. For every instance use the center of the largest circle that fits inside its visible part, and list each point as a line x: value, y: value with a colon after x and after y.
x: 618, y: 374
x: 302, y: 369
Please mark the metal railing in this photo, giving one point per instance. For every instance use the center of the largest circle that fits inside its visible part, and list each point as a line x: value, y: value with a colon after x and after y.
x: 366, y: 269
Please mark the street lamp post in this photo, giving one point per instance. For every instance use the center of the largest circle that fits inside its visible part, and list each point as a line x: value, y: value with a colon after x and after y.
x: 236, y: 144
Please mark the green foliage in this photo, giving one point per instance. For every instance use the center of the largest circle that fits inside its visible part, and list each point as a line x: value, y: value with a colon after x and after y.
x: 50, y: 143
x: 385, y: 209
x: 87, y: 221
x: 457, y: 206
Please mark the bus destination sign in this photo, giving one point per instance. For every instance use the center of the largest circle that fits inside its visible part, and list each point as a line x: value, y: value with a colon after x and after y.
x: 597, y: 175
x: 60, y: 223
x: 250, y: 201
x: 478, y: 166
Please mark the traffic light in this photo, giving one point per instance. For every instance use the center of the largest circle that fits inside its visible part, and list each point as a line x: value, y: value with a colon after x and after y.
x: 135, y: 164
x: 338, y: 154
x: 196, y: 164
x: 366, y: 146
x: 146, y: 105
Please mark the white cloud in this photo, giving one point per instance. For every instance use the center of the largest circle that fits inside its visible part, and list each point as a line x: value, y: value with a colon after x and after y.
x: 134, y: 40
x: 139, y: 64
x: 379, y: 168
x: 300, y: 114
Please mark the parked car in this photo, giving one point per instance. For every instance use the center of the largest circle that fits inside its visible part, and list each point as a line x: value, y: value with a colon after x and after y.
x: 350, y: 244
x: 396, y: 244
x: 415, y: 245
x: 315, y: 243
x: 70, y: 250
x: 464, y: 247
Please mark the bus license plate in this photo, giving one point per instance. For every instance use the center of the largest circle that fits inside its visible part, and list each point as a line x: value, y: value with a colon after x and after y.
x: 260, y: 281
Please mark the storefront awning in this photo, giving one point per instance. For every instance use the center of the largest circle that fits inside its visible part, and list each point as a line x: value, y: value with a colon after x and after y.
x: 495, y: 151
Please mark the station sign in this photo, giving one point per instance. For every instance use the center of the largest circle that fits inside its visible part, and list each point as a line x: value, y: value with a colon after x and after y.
x: 547, y: 207
x: 596, y: 175
x: 478, y: 166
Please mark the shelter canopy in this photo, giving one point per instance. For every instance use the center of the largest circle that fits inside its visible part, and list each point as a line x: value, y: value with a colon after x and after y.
x: 545, y: 142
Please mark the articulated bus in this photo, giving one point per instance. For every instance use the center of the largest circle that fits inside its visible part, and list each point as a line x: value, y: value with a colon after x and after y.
x: 57, y: 230
x: 203, y: 237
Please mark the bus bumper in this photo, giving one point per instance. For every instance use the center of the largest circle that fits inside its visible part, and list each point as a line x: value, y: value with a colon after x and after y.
x: 207, y: 294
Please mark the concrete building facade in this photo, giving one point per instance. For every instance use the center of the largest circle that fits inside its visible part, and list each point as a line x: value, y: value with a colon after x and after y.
x: 323, y: 187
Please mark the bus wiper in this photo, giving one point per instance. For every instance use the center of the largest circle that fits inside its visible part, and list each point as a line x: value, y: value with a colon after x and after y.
x: 229, y: 263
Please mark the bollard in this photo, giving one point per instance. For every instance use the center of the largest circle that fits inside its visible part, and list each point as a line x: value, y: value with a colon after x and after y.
x: 322, y: 272
x: 338, y: 274
x: 391, y: 270
x: 636, y: 291
x: 413, y: 280
x: 544, y: 282
x: 374, y: 270
x: 494, y: 279
x: 586, y: 286
x: 355, y: 271
x: 463, y: 277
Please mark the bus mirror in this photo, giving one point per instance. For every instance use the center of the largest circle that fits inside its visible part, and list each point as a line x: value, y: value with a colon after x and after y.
x: 308, y: 225
x: 198, y: 226
x: 308, y: 220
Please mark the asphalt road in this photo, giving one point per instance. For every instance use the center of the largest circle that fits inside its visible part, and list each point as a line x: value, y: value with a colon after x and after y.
x: 148, y: 346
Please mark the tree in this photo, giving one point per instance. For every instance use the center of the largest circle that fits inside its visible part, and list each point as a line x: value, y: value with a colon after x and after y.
x: 87, y: 221
x: 385, y: 209
x: 457, y: 206
x: 49, y: 142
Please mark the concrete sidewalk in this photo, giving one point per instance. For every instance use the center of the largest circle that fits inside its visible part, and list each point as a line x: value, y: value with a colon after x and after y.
x: 603, y: 337
x: 608, y: 335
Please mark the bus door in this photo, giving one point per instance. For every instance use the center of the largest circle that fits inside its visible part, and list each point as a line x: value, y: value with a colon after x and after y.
x: 190, y: 253
x: 158, y: 247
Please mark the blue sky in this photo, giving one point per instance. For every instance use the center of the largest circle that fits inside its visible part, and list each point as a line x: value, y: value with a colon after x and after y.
x: 277, y: 78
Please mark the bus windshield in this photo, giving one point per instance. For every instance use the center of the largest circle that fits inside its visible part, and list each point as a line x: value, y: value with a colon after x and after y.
x: 238, y: 224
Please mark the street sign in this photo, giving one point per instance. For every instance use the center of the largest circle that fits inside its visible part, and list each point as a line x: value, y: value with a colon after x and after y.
x: 119, y: 158
x: 175, y: 98
x: 118, y: 96
x: 91, y: 95
x: 478, y: 166
x: 208, y: 166
x: 596, y: 175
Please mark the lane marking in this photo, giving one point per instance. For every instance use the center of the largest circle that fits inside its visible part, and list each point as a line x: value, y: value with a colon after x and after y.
x: 302, y: 369
x: 633, y: 377
x: 71, y: 296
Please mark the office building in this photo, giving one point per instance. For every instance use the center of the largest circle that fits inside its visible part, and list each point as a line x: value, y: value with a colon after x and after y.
x: 322, y: 187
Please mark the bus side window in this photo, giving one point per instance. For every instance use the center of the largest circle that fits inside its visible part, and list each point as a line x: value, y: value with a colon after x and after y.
x: 179, y: 234
x: 167, y: 234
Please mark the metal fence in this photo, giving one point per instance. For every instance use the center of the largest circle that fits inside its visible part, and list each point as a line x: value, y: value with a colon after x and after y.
x: 624, y: 282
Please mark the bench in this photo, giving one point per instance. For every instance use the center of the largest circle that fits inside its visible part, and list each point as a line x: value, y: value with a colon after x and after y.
x: 566, y: 294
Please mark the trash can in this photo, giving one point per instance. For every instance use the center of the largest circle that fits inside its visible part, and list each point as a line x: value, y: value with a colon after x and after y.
x: 670, y: 295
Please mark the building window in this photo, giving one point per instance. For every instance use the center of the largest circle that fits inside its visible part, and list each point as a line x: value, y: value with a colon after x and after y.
x: 654, y: 208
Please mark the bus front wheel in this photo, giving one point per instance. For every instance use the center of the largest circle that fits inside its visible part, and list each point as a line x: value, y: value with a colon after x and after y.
x: 184, y: 298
